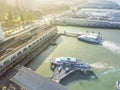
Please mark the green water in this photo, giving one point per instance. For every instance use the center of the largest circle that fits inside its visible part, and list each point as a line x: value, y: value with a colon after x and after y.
x: 104, y: 59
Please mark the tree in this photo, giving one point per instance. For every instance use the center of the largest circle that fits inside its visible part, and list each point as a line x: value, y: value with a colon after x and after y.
x: 22, y: 18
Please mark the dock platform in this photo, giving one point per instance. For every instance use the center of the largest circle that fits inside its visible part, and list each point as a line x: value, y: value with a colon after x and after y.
x: 71, y: 34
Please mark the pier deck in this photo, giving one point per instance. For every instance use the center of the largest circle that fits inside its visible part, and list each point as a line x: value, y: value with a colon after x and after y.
x: 70, y: 34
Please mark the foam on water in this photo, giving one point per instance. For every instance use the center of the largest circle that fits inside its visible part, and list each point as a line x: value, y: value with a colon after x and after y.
x: 105, y: 66
x: 113, y: 47
x: 101, y: 65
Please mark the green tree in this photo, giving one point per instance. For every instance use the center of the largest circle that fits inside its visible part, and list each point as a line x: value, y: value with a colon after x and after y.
x: 22, y: 18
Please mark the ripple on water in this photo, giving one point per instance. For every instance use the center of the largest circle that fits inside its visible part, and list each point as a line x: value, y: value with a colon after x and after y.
x: 113, y: 70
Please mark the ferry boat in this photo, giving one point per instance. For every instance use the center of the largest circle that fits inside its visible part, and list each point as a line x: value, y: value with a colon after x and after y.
x: 67, y: 65
x: 91, y: 38
x: 70, y: 62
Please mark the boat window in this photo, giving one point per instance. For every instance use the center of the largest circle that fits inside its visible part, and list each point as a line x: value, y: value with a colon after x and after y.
x: 0, y: 66
x: 59, y: 69
x: 62, y: 60
x: 68, y: 59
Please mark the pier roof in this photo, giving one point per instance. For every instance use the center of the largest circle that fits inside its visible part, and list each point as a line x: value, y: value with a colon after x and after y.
x: 30, y: 80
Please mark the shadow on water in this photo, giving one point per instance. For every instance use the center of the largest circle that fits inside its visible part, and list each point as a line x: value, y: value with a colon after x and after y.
x: 76, y: 76
x: 36, y: 62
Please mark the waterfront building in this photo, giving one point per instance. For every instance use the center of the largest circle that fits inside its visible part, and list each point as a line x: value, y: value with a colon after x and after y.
x: 25, y: 78
x: 101, y: 6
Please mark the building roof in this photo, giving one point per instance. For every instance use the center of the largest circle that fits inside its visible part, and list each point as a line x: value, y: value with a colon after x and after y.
x: 30, y: 80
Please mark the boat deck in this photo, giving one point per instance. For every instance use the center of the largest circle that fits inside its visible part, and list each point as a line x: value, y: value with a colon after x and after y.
x: 64, y: 66
x: 57, y: 76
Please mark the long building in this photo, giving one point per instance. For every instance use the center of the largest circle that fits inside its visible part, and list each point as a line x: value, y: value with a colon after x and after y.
x: 101, y: 14
x: 25, y: 78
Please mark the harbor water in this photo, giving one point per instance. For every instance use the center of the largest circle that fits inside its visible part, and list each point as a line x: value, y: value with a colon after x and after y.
x: 104, y: 59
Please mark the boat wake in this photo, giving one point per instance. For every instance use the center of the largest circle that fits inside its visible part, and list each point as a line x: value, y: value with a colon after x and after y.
x: 110, y: 71
x: 108, y: 68
x: 113, y: 47
x: 101, y: 65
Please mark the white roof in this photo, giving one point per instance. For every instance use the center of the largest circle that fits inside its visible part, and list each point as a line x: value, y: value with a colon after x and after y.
x: 66, y: 59
x: 90, y: 35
